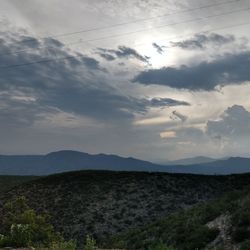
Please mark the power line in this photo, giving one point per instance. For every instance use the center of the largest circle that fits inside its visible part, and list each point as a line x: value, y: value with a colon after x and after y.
x: 162, y: 26
x: 137, y: 21
x: 45, y: 60
x: 192, y: 34
x: 150, y: 18
x: 48, y: 60
x: 133, y: 32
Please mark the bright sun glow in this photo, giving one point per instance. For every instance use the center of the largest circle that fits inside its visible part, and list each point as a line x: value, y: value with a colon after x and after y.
x: 157, y: 60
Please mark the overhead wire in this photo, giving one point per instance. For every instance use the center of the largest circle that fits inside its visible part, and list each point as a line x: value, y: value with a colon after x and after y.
x: 131, y: 32
x: 48, y: 60
x: 135, y: 21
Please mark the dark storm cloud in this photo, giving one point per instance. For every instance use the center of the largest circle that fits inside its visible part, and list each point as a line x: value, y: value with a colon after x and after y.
x: 122, y: 52
x: 180, y: 116
x: 75, y: 85
x: 224, y: 70
x: 91, y: 63
x: 108, y: 57
x: 166, y: 102
x: 201, y: 41
x: 15, y: 43
x: 159, y: 48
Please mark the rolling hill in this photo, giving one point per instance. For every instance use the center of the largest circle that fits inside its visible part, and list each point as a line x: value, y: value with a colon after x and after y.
x: 9, y: 182
x: 102, y: 203
x: 220, y: 224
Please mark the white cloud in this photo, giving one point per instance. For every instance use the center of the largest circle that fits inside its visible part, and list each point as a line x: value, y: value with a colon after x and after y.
x: 234, y: 122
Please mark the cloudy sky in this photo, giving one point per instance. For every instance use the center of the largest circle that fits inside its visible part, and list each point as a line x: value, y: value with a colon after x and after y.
x: 153, y: 79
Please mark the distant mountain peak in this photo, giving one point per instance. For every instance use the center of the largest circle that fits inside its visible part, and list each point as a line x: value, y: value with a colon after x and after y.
x: 67, y: 152
x: 70, y: 160
x: 191, y: 161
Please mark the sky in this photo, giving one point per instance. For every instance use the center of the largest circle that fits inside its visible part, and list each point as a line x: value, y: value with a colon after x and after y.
x: 154, y: 79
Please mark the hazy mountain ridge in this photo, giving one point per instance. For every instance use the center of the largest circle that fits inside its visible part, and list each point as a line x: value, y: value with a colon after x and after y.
x: 66, y: 161
x: 190, y: 161
x: 231, y: 165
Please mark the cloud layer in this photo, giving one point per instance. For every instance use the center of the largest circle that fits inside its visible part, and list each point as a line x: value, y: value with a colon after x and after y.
x: 223, y: 70
x: 71, y: 82
x: 202, y: 41
x: 122, y: 52
x: 83, y: 99
x: 233, y: 124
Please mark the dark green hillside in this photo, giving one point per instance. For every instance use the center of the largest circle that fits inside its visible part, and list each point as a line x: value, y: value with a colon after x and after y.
x: 220, y: 224
x: 102, y: 203
x: 8, y: 182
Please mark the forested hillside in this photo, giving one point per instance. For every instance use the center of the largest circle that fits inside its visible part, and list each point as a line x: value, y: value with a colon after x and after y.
x: 220, y: 224
x: 102, y: 204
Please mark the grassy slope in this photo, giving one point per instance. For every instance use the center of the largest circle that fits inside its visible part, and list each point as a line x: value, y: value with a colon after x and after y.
x: 103, y: 203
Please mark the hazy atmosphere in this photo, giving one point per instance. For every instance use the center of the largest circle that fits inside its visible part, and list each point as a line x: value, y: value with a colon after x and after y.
x: 124, y: 124
x: 157, y: 80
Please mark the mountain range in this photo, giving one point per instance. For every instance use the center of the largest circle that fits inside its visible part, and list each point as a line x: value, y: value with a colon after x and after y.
x: 67, y: 160
x: 190, y: 161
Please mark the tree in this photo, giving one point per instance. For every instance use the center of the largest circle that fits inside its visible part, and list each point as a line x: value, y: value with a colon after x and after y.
x: 20, y: 226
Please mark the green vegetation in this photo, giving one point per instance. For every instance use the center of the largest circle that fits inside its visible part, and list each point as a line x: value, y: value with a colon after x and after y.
x: 20, y: 226
x: 245, y: 245
x: 241, y: 222
x: 153, y: 211
x: 183, y: 230
x: 188, y: 229
x: 90, y: 243
x: 8, y: 182
x: 160, y: 246
x: 101, y: 203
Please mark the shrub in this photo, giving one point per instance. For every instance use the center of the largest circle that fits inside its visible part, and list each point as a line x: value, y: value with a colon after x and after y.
x: 199, y: 238
x: 241, y: 222
x: 20, y: 226
x: 245, y: 245
x: 90, y: 243
x: 240, y: 234
x: 20, y: 235
x: 160, y: 246
x: 63, y: 245
x: 3, y: 240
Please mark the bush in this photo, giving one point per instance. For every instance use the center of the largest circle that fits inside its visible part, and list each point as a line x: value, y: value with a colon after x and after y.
x: 64, y: 245
x: 160, y: 246
x: 245, y: 245
x: 3, y: 240
x: 20, y: 226
x: 90, y: 243
x: 199, y: 238
x: 20, y: 235
x: 240, y: 234
x: 241, y: 222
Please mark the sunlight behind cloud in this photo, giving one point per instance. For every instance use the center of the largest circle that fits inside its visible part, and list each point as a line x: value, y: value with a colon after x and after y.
x: 168, y: 134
